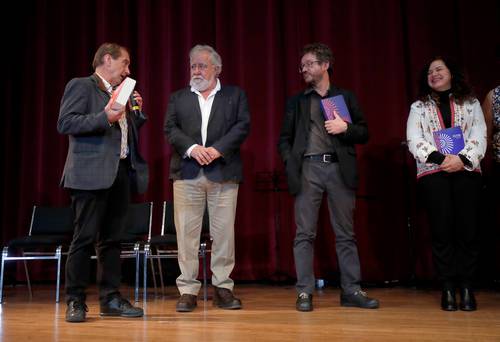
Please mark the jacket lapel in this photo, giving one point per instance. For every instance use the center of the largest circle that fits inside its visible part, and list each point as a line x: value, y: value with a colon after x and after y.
x: 194, y: 107
x: 305, y: 106
x: 100, y: 85
x: 218, y: 99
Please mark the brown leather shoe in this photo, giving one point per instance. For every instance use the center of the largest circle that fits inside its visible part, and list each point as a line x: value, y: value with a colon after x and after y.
x: 186, y: 303
x: 224, y: 299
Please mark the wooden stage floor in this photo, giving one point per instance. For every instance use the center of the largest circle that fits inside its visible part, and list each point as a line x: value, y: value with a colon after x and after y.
x: 268, y: 315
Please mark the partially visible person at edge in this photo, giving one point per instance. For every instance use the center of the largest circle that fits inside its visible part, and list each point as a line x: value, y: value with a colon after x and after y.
x: 491, y: 109
x: 449, y: 184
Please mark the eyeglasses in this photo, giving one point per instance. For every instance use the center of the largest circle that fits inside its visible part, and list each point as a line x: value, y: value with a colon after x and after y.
x: 307, y: 65
x: 201, y: 66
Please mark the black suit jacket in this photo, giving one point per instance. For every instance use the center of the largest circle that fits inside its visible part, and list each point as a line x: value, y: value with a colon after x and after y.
x: 228, y: 126
x: 94, y: 144
x: 295, y: 131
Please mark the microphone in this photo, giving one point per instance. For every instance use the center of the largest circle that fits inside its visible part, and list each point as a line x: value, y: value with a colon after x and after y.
x: 136, y: 110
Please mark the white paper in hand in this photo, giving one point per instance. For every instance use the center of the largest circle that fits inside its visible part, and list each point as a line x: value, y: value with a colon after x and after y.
x: 122, y: 93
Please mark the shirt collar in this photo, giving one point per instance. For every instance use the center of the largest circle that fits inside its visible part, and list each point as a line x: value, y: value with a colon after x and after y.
x: 310, y: 90
x: 107, y: 85
x: 215, y: 90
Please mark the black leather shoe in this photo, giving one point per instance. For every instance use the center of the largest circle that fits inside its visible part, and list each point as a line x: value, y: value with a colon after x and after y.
x: 224, y: 299
x: 119, y: 306
x: 467, y: 300
x: 358, y: 299
x: 304, y: 302
x: 186, y: 303
x: 448, y: 301
x: 76, y: 311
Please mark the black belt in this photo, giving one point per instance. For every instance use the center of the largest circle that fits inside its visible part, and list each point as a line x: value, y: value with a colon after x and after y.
x: 325, y: 158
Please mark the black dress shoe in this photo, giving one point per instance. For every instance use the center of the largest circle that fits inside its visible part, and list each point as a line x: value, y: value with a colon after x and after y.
x: 358, y: 299
x: 119, y: 306
x: 448, y: 301
x: 467, y: 300
x: 224, y: 299
x: 304, y: 302
x: 76, y: 311
x: 186, y: 303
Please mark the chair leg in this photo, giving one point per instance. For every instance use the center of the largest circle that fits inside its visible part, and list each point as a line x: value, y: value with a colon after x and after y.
x: 153, y: 271
x: 152, y: 266
x: 204, y: 260
x: 27, y: 278
x: 162, y: 283
x: 58, y: 280
x: 137, y: 262
x: 4, y: 255
x: 145, y: 274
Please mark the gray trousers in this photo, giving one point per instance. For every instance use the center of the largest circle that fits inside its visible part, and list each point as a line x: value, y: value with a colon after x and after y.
x: 317, y: 178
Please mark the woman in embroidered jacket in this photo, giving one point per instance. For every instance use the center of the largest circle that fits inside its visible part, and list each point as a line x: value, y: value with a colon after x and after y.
x: 449, y: 178
x: 491, y: 109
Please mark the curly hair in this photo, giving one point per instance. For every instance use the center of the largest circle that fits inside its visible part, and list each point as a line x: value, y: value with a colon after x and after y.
x: 322, y: 53
x: 460, y: 89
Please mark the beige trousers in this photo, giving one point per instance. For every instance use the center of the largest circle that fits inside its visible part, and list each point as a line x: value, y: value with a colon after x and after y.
x: 190, y: 198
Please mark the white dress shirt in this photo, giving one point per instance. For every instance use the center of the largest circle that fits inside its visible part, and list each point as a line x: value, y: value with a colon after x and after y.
x: 122, y: 122
x: 205, y: 108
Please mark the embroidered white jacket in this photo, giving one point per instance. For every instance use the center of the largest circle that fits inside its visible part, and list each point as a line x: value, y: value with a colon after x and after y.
x: 425, y: 118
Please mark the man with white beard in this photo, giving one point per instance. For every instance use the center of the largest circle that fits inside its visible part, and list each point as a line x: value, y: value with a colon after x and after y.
x: 206, y: 124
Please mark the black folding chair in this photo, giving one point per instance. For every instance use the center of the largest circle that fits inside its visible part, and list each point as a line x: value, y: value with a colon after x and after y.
x: 50, y: 231
x: 164, y: 246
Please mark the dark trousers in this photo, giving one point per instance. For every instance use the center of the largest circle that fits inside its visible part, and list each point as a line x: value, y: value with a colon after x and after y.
x: 452, y: 201
x: 99, y: 221
x: 318, y: 178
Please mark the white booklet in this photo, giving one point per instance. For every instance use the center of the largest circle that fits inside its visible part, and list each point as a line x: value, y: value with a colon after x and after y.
x: 122, y: 93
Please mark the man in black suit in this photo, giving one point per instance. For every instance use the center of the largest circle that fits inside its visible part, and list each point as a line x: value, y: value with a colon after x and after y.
x: 320, y: 157
x: 102, y: 165
x: 206, y: 124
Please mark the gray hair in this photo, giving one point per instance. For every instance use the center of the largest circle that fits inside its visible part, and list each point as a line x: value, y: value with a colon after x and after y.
x: 214, y: 56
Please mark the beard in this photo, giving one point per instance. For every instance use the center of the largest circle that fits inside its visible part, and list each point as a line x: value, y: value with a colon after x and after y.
x: 309, y: 79
x: 199, y: 83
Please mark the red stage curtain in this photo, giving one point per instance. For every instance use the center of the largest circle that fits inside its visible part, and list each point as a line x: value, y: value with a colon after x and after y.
x: 379, y: 47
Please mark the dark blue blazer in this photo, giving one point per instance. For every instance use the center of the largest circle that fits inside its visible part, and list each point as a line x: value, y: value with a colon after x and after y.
x: 228, y: 126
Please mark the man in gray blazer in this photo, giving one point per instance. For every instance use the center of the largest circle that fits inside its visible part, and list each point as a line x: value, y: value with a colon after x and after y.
x: 320, y: 158
x: 102, y: 166
x: 206, y: 124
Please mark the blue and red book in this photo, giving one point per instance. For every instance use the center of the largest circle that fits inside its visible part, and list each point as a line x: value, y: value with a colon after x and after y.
x: 335, y: 106
x: 449, y: 140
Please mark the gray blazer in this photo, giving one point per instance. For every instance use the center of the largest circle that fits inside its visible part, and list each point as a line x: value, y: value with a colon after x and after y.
x: 228, y: 126
x: 94, y: 144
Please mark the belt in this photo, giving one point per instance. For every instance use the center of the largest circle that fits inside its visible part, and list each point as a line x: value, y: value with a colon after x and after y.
x: 325, y: 158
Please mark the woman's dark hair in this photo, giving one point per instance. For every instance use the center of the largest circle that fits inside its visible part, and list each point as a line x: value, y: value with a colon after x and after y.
x: 460, y: 89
